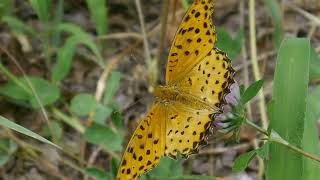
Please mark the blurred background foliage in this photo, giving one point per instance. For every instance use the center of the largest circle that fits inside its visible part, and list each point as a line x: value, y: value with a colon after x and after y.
x: 77, y: 73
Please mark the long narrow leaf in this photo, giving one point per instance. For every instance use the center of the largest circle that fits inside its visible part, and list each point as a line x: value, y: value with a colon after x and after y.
x: 311, y: 169
x: 276, y: 15
x: 98, y: 13
x: 289, y: 96
x: 42, y: 9
x: 9, y: 124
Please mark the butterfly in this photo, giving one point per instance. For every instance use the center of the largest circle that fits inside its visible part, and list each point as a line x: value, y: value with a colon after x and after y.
x: 198, y: 76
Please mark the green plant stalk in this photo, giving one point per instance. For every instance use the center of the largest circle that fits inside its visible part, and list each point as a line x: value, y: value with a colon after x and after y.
x: 68, y: 120
x: 13, y: 78
x: 254, y: 61
x: 282, y: 142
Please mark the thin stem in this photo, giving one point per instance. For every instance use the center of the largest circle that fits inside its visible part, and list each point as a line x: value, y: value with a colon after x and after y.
x: 254, y: 61
x: 274, y: 137
x: 294, y: 148
x: 151, y: 64
x: 163, y: 21
x: 258, y: 128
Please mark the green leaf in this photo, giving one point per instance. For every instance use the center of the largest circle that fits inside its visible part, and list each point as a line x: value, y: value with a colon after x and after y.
x: 242, y: 89
x: 18, y: 26
x: 226, y: 43
x: 289, y: 95
x: 9, y: 124
x: 101, y: 114
x: 47, y: 93
x: 57, y: 20
x: 55, y: 130
x: 193, y: 177
x: 243, y: 160
x: 262, y: 151
x: 114, y: 167
x: 274, y: 10
x: 83, y: 104
x: 310, y: 141
x: 6, y: 7
x: 314, y: 71
x: 251, y: 91
x: 165, y: 168
x: 98, y: 13
x: 112, y: 86
x: 116, y: 119
x: 97, y: 173
x: 42, y: 8
x: 104, y: 136
x: 65, y: 54
x: 7, y: 148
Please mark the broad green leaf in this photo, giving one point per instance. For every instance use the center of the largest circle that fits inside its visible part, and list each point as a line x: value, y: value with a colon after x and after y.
x: 18, y: 26
x: 251, y: 91
x: 9, y: 124
x: 112, y: 86
x: 165, y: 168
x: 288, y: 112
x: 276, y: 15
x: 47, y: 93
x: 7, y: 148
x: 314, y: 71
x: 311, y: 144
x: 62, y: 67
x: 42, y: 8
x: 65, y: 54
x: 194, y: 177
x: 99, y: 174
x: 104, y: 136
x: 83, y: 104
x: 101, y: 114
x: 98, y: 13
x: 243, y: 160
x: 6, y: 7
x: 232, y: 46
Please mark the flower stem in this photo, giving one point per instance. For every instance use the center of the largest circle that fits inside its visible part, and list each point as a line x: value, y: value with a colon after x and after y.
x: 258, y: 128
x: 274, y: 137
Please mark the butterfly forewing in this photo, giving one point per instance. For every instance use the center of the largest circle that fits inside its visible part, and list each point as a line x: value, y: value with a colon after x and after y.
x: 210, y: 79
x: 194, y: 39
x: 146, y: 145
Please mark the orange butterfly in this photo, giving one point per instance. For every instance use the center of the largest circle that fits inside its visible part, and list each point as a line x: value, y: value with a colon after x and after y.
x: 197, y: 78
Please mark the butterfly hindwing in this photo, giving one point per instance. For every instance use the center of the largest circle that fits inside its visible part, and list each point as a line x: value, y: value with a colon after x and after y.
x: 186, y: 129
x: 146, y: 145
x: 194, y: 39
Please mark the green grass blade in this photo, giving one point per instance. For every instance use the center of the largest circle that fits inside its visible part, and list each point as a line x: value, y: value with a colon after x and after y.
x: 98, y: 13
x: 311, y: 169
x: 41, y: 7
x: 276, y: 15
x: 314, y: 71
x: 289, y: 96
x: 18, y: 26
x: 9, y: 124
